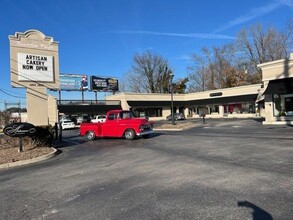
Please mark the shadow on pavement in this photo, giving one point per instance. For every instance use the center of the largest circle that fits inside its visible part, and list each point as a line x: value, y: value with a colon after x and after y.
x: 257, y: 212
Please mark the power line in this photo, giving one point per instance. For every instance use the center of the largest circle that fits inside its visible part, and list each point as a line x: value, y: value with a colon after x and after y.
x: 12, y: 92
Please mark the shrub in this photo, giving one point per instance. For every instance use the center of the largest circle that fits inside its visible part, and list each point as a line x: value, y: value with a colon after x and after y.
x: 43, y: 137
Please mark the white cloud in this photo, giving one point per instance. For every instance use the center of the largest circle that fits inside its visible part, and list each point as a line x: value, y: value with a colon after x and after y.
x: 191, y: 35
x: 183, y: 57
x: 254, y: 13
x: 288, y: 3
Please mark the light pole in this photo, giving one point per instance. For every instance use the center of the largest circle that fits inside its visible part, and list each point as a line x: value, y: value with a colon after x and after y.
x: 171, y: 75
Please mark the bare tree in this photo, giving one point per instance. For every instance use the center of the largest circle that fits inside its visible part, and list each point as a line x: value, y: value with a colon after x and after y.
x: 235, y: 64
x: 199, y: 72
x: 215, y: 68
x: 197, y: 80
x: 259, y: 45
x: 149, y: 73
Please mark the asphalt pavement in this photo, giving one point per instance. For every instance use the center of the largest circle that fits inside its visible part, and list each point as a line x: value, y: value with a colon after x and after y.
x: 224, y: 169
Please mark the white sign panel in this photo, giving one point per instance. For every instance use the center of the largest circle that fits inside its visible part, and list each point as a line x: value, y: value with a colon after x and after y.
x: 33, y: 67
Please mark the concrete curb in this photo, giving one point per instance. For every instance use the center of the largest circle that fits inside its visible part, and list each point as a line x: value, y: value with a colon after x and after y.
x: 33, y: 160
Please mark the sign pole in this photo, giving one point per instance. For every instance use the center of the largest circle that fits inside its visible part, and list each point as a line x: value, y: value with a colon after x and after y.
x: 59, y: 96
x: 20, y: 144
x: 82, y: 95
x: 96, y: 96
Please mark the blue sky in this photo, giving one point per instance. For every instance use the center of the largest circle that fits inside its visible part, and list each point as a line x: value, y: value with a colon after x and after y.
x: 100, y: 37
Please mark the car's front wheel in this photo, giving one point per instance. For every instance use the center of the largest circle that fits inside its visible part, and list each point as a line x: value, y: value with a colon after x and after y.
x: 129, y: 134
x: 90, y: 135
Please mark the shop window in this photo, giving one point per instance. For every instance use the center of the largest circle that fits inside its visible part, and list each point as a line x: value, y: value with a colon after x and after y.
x: 248, y: 107
x: 283, y: 104
x: 181, y: 110
x: 148, y: 112
x: 153, y: 112
x: 239, y: 108
x: 214, y: 109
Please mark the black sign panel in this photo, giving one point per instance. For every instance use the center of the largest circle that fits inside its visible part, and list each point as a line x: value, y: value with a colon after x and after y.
x: 19, y: 130
x: 216, y: 94
x: 104, y: 84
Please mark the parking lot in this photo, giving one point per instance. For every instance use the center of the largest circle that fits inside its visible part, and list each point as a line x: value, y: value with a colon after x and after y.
x: 224, y: 169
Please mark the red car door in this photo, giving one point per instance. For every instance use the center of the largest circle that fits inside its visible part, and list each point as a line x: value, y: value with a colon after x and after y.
x: 111, y: 127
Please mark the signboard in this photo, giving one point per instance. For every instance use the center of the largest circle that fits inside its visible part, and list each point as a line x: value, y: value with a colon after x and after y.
x: 34, y: 60
x: 32, y: 67
x: 19, y: 130
x: 73, y: 82
x: 103, y: 84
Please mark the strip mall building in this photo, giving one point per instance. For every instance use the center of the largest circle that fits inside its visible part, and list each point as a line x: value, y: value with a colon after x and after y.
x: 272, y: 100
x: 34, y: 65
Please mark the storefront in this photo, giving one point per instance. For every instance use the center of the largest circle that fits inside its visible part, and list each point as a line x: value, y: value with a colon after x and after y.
x: 271, y: 100
x: 278, y: 91
x: 231, y: 102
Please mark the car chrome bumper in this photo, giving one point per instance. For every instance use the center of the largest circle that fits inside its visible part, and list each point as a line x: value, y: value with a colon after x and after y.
x: 145, y: 133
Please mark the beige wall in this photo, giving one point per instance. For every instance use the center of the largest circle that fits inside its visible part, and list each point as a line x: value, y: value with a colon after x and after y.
x: 228, y: 92
x: 52, y: 110
x: 37, y: 105
x: 279, y: 69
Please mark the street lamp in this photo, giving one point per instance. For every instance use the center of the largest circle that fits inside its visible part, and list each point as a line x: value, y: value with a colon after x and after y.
x: 171, y: 75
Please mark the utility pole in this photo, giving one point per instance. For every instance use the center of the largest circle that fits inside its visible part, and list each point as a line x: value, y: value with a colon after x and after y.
x: 171, y: 75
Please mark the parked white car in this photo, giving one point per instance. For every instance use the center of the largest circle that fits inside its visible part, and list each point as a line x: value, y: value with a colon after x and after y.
x: 79, y: 120
x: 67, y: 124
x: 99, y: 119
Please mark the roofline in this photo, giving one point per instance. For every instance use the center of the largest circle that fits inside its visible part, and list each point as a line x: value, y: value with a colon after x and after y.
x: 251, y: 89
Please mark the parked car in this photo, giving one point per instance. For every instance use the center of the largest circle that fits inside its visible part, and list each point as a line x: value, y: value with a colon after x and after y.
x: 82, y: 119
x: 79, y: 120
x: 64, y: 118
x: 177, y: 116
x: 67, y: 124
x: 99, y: 119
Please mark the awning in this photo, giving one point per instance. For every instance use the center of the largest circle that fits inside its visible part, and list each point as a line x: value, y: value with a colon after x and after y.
x: 280, y: 86
x: 260, y: 97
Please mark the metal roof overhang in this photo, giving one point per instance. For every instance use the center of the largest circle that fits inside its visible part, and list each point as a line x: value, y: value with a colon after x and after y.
x: 279, y: 86
x: 87, y: 109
